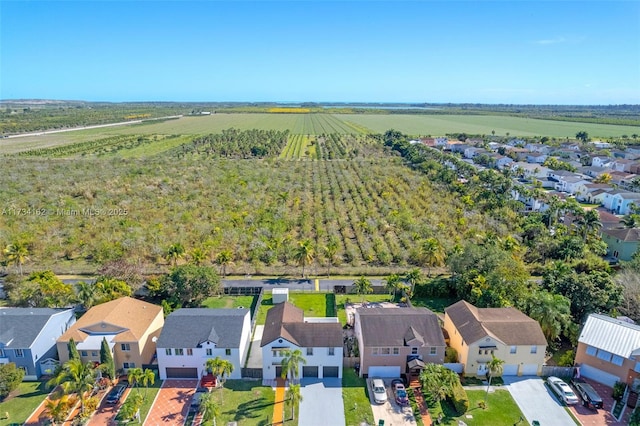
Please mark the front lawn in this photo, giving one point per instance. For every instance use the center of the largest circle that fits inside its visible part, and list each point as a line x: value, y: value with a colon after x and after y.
x: 357, y: 407
x: 22, y: 402
x: 313, y: 305
x: 246, y: 402
x: 150, y: 396
x: 501, y: 410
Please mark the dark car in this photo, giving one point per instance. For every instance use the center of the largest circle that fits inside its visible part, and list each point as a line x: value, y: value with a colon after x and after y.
x: 399, y: 392
x: 588, y: 394
x: 113, y: 397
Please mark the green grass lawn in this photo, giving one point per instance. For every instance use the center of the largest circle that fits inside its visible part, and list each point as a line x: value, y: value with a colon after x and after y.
x: 224, y: 301
x: 341, y: 299
x: 357, y: 407
x: 246, y: 402
x: 436, y: 304
x: 22, y: 402
x: 150, y: 395
x: 501, y: 410
x: 313, y: 305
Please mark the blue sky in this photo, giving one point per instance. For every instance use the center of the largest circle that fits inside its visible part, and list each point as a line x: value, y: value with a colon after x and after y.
x: 541, y: 52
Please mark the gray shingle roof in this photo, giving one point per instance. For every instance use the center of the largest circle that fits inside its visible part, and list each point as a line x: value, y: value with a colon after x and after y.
x: 189, y: 327
x: 19, y: 327
x: 417, y: 327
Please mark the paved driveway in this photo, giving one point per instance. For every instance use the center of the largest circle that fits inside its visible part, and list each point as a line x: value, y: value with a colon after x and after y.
x: 321, y: 403
x: 390, y: 412
x: 172, y: 403
x: 537, y: 402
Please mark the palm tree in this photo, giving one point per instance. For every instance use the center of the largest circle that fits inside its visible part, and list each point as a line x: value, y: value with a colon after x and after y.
x: 413, y: 277
x: 552, y: 311
x: 330, y: 251
x: 291, y: 364
x: 209, y: 408
x: 221, y: 368
x: 432, y: 253
x: 294, y: 397
x: 135, y: 376
x: 494, y: 368
x: 588, y: 222
x: 198, y: 256
x: 304, y: 254
x: 86, y: 294
x: 17, y: 253
x: 174, y: 252
x: 75, y: 377
x: 630, y: 221
x: 224, y: 259
x: 58, y: 409
x: 139, y: 376
x: 392, y: 283
x: 438, y: 381
x: 363, y: 286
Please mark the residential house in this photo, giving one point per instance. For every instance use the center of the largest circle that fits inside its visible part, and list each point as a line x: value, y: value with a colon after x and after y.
x: 622, y: 244
x: 520, y: 154
x: 502, y: 162
x: 601, y: 161
x: 593, y: 171
x: 571, y: 184
x: 538, y: 147
x: 608, y: 198
x: 28, y: 338
x: 130, y: 327
x: 601, y: 144
x: 624, y: 202
x: 394, y: 341
x: 633, y: 149
x: 319, y: 340
x: 608, y: 220
x: 471, y: 152
x: 527, y: 170
x: 622, y: 179
x: 191, y: 336
x: 442, y: 141
x: 623, y: 165
x: 458, y: 147
x: 584, y: 190
x: 537, y: 158
x: 477, y: 334
x: 609, y: 350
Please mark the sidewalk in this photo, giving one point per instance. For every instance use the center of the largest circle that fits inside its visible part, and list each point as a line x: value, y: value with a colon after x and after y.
x: 278, y: 406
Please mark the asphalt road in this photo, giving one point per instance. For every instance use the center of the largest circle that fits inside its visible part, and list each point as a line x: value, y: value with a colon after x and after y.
x: 294, y: 284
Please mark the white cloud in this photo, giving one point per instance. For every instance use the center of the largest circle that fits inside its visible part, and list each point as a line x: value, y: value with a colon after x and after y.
x: 556, y: 40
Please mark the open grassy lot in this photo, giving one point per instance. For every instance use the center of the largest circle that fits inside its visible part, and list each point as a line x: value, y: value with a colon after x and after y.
x: 341, y: 299
x: 501, y: 410
x: 483, y: 125
x: 246, y: 402
x: 22, y: 402
x: 357, y: 408
x: 313, y: 305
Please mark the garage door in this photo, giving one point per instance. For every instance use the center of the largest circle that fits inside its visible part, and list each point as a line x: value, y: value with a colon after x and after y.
x: 330, y: 371
x: 598, y: 375
x: 182, y: 373
x: 510, y: 370
x: 309, y: 371
x: 386, y: 371
x: 529, y: 370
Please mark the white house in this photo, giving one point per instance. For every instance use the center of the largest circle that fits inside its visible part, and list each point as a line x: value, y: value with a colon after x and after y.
x: 191, y: 336
x: 319, y: 340
x: 536, y: 158
x: 622, y: 203
x: 601, y: 161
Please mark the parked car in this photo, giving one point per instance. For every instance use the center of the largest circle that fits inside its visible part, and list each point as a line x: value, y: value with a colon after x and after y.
x: 588, y: 394
x: 194, y: 405
x: 114, y: 395
x: 399, y: 392
x: 560, y: 388
x: 379, y: 391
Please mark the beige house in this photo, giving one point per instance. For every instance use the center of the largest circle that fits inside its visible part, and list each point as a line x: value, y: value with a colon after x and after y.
x: 506, y: 333
x: 609, y: 350
x: 130, y: 327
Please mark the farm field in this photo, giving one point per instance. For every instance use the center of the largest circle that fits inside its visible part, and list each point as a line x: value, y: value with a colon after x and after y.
x: 436, y: 125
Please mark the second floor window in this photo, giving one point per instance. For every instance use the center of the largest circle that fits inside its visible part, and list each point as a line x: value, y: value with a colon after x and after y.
x: 167, y: 351
x: 309, y: 351
x: 332, y: 351
x: 209, y: 352
x: 227, y: 352
x: 125, y: 346
x: 179, y: 351
x: 189, y: 351
x: 19, y: 353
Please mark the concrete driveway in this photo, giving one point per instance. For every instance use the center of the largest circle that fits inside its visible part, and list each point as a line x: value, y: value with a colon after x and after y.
x: 537, y: 402
x: 321, y: 403
x: 390, y: 411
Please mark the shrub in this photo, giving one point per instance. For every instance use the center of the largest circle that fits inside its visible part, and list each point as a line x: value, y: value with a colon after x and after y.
x: 618, y: 390
x: 450, y: 355
x: 566, y: 360
x: 459, y: 399
x: 10, y: 378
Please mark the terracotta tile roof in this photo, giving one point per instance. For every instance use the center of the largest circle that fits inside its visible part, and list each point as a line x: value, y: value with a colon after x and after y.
x: 128, y: 317
x: 286, y: 321
x: 507, y: 325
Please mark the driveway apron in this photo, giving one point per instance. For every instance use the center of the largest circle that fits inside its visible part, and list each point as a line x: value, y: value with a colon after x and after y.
x: 172, y: 403
x: 321, y: 403
x: 537, y: 402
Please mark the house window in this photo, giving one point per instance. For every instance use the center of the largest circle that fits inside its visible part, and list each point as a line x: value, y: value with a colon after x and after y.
x: 210, y: 352
x: 179, y: 351
x: 385, y: 351
x: 617, y: 360
x: 227, y: 352
x: 534, y: 349
x: 604, y: 355
x: 189, y: 351
x: 94, y: 353
x: 591, y: 351
x: 309, y: 351
x: 513, y: 350
x: 396, y: 351
x: 129, y: 365
x: 19, y: 353
x: 414, y: 351
x: 331, y: 351
x: 479, y: 351
x: 125, y: 346
x: 374, y: 351
x: 167, y: 351
x: 83, y: 353
x: 433, y: 350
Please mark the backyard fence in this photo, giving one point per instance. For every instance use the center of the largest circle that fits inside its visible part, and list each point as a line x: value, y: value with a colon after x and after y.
x: 552, y: 370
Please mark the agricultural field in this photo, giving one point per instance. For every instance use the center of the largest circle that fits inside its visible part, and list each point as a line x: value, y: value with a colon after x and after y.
x: 300, y: 147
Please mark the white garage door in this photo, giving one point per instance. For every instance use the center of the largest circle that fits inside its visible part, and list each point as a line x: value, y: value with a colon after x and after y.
x: 386, y: 371
x: 510, y: 370
x: 529, y: 370
x: 598, y: 375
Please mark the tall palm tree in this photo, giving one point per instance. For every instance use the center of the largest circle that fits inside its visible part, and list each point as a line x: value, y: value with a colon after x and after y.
x: 304, y: 254
x: 413, y: 277
x: 438, y: 381
x: 329, y: 252
x: 392, y: 283
x: 75, y: 377
x: 495, y: 368
x: 209, y: 408
x: 588, y: 223
x: 17, y: 253
x: 58, y: 408
x: 432, y: 253
x: 363, y: 286
x: 86, y: 294
x: 291, y: 364
x: 221, y: 368
x: 198, y: 256
x: 631, y: 221
x: 294, y: 397
x: 174, y: 252
x: 224, y: 259
x: 552, y: 311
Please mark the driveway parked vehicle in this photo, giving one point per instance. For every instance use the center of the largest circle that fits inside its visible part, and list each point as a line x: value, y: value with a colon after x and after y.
x: 194, y: 406
x: 588, y: 394
x: 562, y: 390
x: 114, y: 395
x: 399, y: 392
x: 379, y: 391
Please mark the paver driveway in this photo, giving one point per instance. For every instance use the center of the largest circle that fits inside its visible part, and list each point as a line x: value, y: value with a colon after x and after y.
x: 106, y: 413
x: 537, y: 401
x: 321, y: 403
x: 172, y: 403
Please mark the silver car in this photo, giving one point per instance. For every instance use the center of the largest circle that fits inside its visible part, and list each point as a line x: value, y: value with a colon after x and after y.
x: 562, y: 390
x: 379, y: 391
